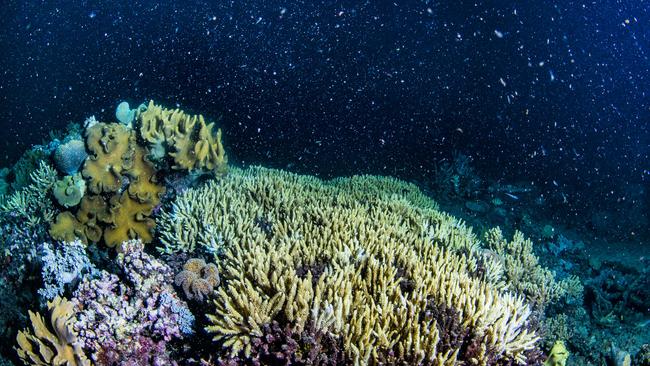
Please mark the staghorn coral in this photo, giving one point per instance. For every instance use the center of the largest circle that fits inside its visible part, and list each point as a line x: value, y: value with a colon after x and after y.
x: 192, y: 143
x: 307, y: 254
x: 53, y: 343
x: 31, y: 205
x: 70, y: 190
x: 116, y: 317
x: 197, y: 279
x: 523, y: 274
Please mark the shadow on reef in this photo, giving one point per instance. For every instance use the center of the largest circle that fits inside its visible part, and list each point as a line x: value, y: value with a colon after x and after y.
x: 612, y: 320
x: 133, y: 243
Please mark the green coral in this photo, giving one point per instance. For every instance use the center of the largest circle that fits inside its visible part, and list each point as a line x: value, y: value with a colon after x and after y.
x: 32, y: 205
x: 69, y: 190
x: 558, y: 356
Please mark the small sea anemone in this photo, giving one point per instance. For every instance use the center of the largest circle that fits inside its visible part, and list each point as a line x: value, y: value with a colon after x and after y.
x: 197, y: 279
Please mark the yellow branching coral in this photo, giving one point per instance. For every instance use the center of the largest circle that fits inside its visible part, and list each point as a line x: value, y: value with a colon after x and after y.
x: 522, y: 272
x: 111, y: 148
x: 384, y: 275
x: 188, y: 139
x: 54, y: 342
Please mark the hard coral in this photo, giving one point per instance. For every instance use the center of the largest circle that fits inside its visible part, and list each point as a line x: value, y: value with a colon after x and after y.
x: 116, y: 317
x: 54, y: 343
x: 68, y: 157
x: 378, y: 274
x: 197, y: 279
x: 188, y: 139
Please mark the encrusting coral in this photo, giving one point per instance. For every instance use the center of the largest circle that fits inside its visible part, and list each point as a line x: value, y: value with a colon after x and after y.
x: 197, y: 279
x: 129, y: 322
x: 53, y: 343
x: 192, y: 143
x: 307, y: 255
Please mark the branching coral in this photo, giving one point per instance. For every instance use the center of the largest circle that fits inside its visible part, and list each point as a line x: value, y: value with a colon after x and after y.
x: 523, y: 274
x: 192, y: 143
x: 53, y: 343
x: 309, y: 254
x: 31, y: 205
x: 197, y: 279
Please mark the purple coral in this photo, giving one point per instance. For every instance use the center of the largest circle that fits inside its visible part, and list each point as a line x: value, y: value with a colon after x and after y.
x: 127, y: 323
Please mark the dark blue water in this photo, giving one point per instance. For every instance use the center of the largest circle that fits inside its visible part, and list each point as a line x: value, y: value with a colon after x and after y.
x: 555, y: 93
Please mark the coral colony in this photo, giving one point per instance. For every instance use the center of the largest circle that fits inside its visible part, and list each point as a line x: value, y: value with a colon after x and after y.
x: 144, y: 248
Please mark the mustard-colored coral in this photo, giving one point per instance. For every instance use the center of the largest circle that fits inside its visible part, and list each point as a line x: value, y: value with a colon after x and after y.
x: 115, y: 215
x: 111, y: 148
x: 129, y: 219
x: 371, y: 272
x: 193, y: 143
x: 52, y: 343
x: 558, y: 356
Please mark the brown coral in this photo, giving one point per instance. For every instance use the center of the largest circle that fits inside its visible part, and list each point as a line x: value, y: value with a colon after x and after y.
x: 115, y: 162
x: 197, y: 279
x: 53, y: 343
x: 129, y: 219
x: 111, y: 156
x: 191, y: 142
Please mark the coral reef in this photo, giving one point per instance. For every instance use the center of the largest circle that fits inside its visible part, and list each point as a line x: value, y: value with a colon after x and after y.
x: 116, y: 162
x: 305, y: 253
x: 523, y: 273
x: 113, y: 316
x: 111, y: 148
x: 53, y: 343
x: 197, y: 279
x: 31, y: 204
x: 192, y: 143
